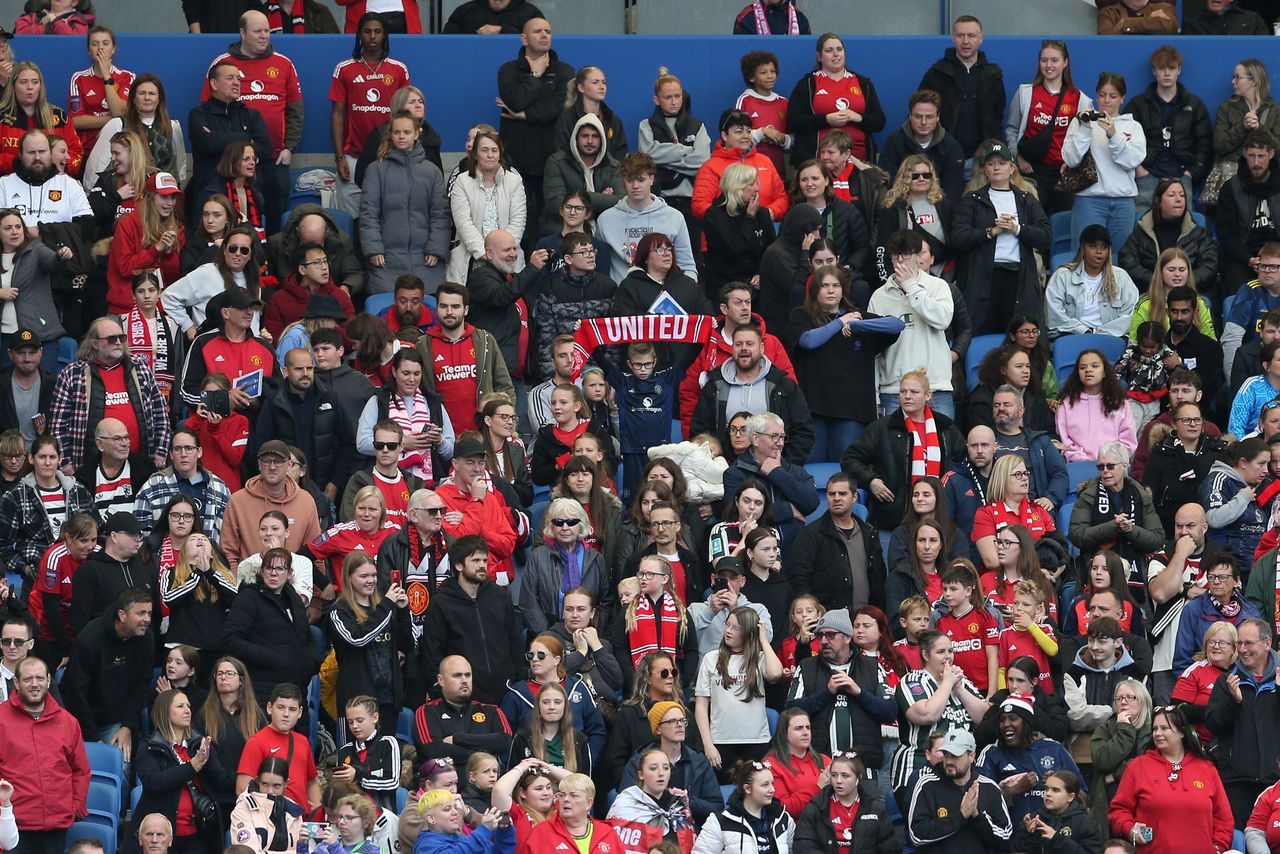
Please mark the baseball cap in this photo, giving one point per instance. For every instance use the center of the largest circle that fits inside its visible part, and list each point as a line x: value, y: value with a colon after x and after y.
x: 730, y: 564
x: 275, y: 448
x: 958, y: 742
x: 24, y: 338
x: 468, y: 446
x: 1095, y: 234
x: 236, y: 298
x: 998, y: 151
x: 120, y: 523
x: 163, y: 184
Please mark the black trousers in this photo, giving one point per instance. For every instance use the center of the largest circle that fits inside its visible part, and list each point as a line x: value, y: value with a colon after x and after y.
x: 41, y: 842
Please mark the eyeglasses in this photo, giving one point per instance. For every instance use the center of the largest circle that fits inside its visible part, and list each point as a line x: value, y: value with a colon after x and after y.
x: 1020, y: 475
x: 239, y: 249
x: 566, y: 523
x: 677, y: 721
x: 666, y: 673
x: 1268, y: 268
x: 14, y: 641
x: 274, y: 568
x: 508, y: 417
x: 1241, y: 76
x: 647, y: 574
x: 183, y: 449
x: 273, y: 464
x: 123, y: 438
x: 922, y: 176
x: 663, y: 523
x: 319, y: 262
x: 737, y: 431
x: 112, y: 339
x: 574, y: 209
x: 541, y: 655
x: 249, y: 158
x: 586, y: 251
x: 1191, y: 421
x: 1008, y: 544
x: 386, y: 446
x: 644, y: 366
x: 1221, y: 644
x: 776, y: 438
x: 1126, y: 698
x: 662, y: 250
x: 1220, y: 577
x: 1109, y: 466
x: 182, y: 517
x: 340, y: 817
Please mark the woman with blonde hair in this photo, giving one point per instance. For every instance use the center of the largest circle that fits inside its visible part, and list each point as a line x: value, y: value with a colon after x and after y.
x: 1215, y: 659
x: 1249, y: 107
x: 587, y: 91
x: 656, y: 621
x: 737, y: 229
x: 915, y: 202
x: 147, y: 115
x: 350, y: 826
x: 442, y: 828
x: 370, y: 529
x: 121, y: 182
x: 550, y: 736
x: 24, y: 106
x: 406, y: 99
x: 1173, y: 270
x: 1117, y: 742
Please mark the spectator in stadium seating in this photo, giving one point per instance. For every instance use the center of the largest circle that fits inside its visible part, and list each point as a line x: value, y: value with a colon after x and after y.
x: 106, y: 381
x: 99, y: 92
x: 565, y: 181
x: 286, y: 707
x: 208, y: 233
x: 173, y: 761
x: 25, y: 106
x: 252, y: 819
x: 57, y: 18
x: 29, y: 315
x: 1120, y: 724
x: 767, y: 108
x: 784, y: 271
x: 1091, y: 294
x: 1225, y: 602
x: 843, y: 547
x: 966, y: 482
x: 520, y: 706
x: 111, y: 474
x: 60, y: 197
x: 1008, y: 368
x: 680, y: 147
x: 488, y: 196
x: 638, y: 213
x: 771, y: 18
x: 1122, y: 519
x: 1215, y: 659
x: 1050, y: 101
x: 226, y: 437
x: 38, y: 733
x: 1168, y: 226
x: 472, y: 616
x: 150, y: 237
x: 1249, y: 108
x: 1093, y: 410
x: 915, y: 202
x: 145, y: 114
x: 395, y: 485
x: 310, y: 224
x: 407, y: 317
x: 587, y: 91
x: 26, y: 387
x: 671, y: 726
x: 580, y: 290
x: 429, y: 434
x: 32, y: 513
x: 491, y: 17
x: 232, y: 346
x: 1241, y: 231
x: 110, y: 669
x: 411, y: 99
x: 843, y: 223
x: 455, y: 724
x: 994, y: 231
x: 656, y: 681
x: 815, y: 107
x: 476, y: 505
x: 1224, y: 18
x: 1236, y: 521
x: 311, y: 276
x: 403, y: 210
x: 1176, y: 125
x: 737, y: 229
x: 922, y: 134
x: 239, y: 180
x: 1181, y: 461
x: 830, y: 333
x: 115, y: 191
x: 1257, y: 393
x: 656, y: 267
x: 220, y: 120
x: 1118, y: 146
x: 1138, y: 17
x: 737, y: 145
x: 1247, y: 322
x: 790, y: 488
x: 1150, y: 798
x: 271, y: 489
x: 971, y: 88
x: 50, y: 599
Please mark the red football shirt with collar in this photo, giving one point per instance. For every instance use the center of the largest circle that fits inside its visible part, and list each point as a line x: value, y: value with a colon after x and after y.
x: 267, y: 84
x: 1015, y: 642
x: 971, y: 635
x: 344, y: 538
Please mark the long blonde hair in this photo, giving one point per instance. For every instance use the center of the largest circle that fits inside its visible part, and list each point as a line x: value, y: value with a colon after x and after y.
x: 666, y: 588
x: 45, y: 117
x: 139, y: 160
x: 206, y: 590
x: 354, y: 561
x: 901, y: 188
x: 153, y: 225
x: 1158, y: 295
x: 537, y: 742
x: 736, y: 178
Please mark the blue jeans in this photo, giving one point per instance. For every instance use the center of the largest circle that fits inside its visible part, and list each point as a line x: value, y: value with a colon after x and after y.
x: 1116, y: 214
x: 942, y: 401
x: 831, y: 436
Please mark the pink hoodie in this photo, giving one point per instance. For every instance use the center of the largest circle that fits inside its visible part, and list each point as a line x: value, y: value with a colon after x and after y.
x: 1084, y: 427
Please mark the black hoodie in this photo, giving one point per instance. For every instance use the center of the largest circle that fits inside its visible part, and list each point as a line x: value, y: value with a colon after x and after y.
x: 1242, y: 230
x: 474, y: 14
x: 785, y: 267
x: 484, y: 630
x: 108, y: 676
x: 100, y: 581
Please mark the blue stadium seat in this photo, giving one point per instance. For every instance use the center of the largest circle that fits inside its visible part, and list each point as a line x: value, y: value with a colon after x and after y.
x: 106, y: 762
x: 1078, y: 473
x: 313, y: 710
x: 979, y: 347
x: 820, y: 472
x: 343, y: 220
x: 726, y: 791
x: 402, y: 799
x: 1060, y: 224
x: 93, y: 830
x: 378, y: 303
x: 1059, y: 259
x: 677, y: 430
x: 1069, y: 347
x: 404, y: 727
x: 1227, y: 302
x: 1198, y: 219
x: 66, y: 351
x: 134, y: 797
x: 1064, y: 520
x: 536, y: 510
x: 103, y: 803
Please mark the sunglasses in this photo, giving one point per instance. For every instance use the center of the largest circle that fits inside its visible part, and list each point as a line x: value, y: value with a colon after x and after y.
x: 665, y: 673
x: 112, y: 339
x: 237, y: 249
x: 1108, y: 466
x: 432, y: 511
x: 566, y: 523
x: 540, y: 656
x: 386, y: 446
x: 925, y: 176
x: 14, y: 641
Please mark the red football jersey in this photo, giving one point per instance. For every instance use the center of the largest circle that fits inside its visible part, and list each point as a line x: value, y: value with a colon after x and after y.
x: 88, y: 97
x: 366, y: 92
x: 57, y: 569
x: 970, y: 636
x: 267, y: 84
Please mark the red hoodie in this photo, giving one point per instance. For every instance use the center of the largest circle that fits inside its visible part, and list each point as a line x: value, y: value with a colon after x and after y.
x: 289, y: 303
x: 45, y: 760
x: 716, y: 353
x: 128, y: 256
x: 706, y: 186
x: 552, y: 837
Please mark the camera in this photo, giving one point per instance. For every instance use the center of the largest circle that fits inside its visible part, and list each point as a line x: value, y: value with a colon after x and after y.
x: 1089, y: 116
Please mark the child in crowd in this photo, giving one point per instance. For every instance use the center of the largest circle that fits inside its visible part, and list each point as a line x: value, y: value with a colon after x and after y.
x: 588, y: 445
x: 482, y: 773
x: 284, y: 711
x: 50, y: 601
x: 1065, y: 816
x: 974, y: 633
x: 913, y: 616
x: 768, y: 109
x: 1031, y: 634
x: 370, y: 761
x: 646, y: 406
x: 1142, y: 366
x: 801, y: 642
x: 600, y: 400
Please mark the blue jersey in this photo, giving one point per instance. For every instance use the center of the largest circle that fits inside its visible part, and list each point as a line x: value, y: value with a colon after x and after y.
x: 645, y: 408
x: 1251, y: 304
x: 1042, y: 757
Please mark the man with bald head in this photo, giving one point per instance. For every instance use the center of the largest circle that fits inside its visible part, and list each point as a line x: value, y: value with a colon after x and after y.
x: 531, y: 95
x: 455, y: 726
x: 309, y: 223
x: 268, y: 84
x: 114, y: 477
x: 965, y: 485
x: 495, y: 285
x: 1174, y: 577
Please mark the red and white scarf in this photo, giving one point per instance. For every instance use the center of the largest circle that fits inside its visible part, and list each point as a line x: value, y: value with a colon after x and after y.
x: 762, y: 25
x: 653, y: 632
x: 280, y: 21
x: 926, y: 451
x: 1027, y: 514
x: 415, y: 462
x: 157, y: 356
x: 668, y: 328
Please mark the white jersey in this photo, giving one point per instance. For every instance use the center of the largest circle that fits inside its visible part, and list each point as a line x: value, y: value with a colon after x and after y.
x: 60, y: 199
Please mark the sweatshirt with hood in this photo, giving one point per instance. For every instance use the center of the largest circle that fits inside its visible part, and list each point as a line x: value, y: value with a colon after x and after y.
x: 926, y: 307
x: 246, y: 508
x: 784, y: 268
x: 567, y: 171
x: 1116, y: 157
x: 1236, y: 520
x: 622, y: 227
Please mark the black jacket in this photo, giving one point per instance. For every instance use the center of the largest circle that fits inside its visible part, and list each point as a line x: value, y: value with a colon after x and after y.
x: 164, y: 777
x: 976, y: 252
x: 270, y: 634
x: 790, y: 489
x: 216, y: 16
x: 493, y: 296
x: 1239, y: 239
x: 474, y: 14
x: 943, y: 76
x: 1247, y: 733
x: 100, y: 581
x: 1140, y: 252
x: 695, y: 575
x: 562, y: 302
x: 849, y: 224
x: 884, y: 451
x: 1038, y: 416
x: 735, y: 243
x: 638, y: 291
x: 1174, y: 478
x: 8, y: 412
x: 1075, y: 833
x: 806, y: 125
x: 475, y: 726
x: 541, y: 98
x: 214, y: 125
x: 785, y: 400
x: 313, y: 423
x: 1191, y: 141
x: 818, y: 564
x: 521, y: 749
x: 898, y: 217
x: 936, y: 824
x: 367, y: 651
x: 853, y: 358
x: 485, y: 630
x: 873, y: 832
x: 943, y: 151
x: 1233, y: 22
x: 867, y: 711
x: 784, y: 267
x: 1049, y: 717
x: 107, y: 677
x: 195, y: 620
x: 547, y: 449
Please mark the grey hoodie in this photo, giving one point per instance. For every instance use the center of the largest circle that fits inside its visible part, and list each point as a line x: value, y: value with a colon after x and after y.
x: 622, y: 227
x: 743, y: 396
x: 588, y: 168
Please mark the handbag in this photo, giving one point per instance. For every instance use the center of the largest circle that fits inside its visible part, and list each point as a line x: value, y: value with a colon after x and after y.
x: 204, y: 808
x: 1073, y: 179
x: 1034, y: 148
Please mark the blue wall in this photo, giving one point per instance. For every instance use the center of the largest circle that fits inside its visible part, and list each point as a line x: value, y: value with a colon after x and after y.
x: 458, y: 73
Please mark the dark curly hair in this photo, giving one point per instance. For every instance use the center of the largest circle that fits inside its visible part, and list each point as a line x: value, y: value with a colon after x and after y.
x: 1112, y: 391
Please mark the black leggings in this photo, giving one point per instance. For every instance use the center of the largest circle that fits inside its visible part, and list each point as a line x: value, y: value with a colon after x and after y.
x: 732, y: 754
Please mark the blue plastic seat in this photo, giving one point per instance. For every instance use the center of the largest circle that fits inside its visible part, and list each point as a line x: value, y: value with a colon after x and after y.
x: 1060, y: 259
x: 345, y: 222
x: 404, y: 727
x: 134, y: 797
x: 772, y: 715
x: 1198, y: 219
x: 402, y: 799
x: 1227, y: 302
x: 1064, y: 522
x: 378, y: 303
x: 1069, y: 347
x: 1078, y: 473
x: 677, y: 430
x: 93, y: 830
x: 821, y: 473
x: 1060, y: 225
x: 103, y: 803
x: 105, y: 761
x: 66, y: 351
x: 979, y: 347
x: 536, y: 510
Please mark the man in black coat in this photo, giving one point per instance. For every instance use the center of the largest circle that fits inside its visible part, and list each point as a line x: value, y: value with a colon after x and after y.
x: 1244, y: 220
x: 109, y: 673
x: 972, y: 89
x: 1224, y: 18
x: 25, y: 385
x: 491, y: 17
x: 495, y: 287
x: 221, y: 120
x: 838, y: 558
x: 456, y: 725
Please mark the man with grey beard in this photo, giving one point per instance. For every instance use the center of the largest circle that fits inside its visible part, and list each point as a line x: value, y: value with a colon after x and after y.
x: 495, y: 284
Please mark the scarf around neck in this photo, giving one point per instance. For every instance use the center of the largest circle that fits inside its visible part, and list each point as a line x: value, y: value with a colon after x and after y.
x: 649, y: 635
x: 415, y: 462
x: 157, y: 356
x: 762, y: 24
x: 926, y: 449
